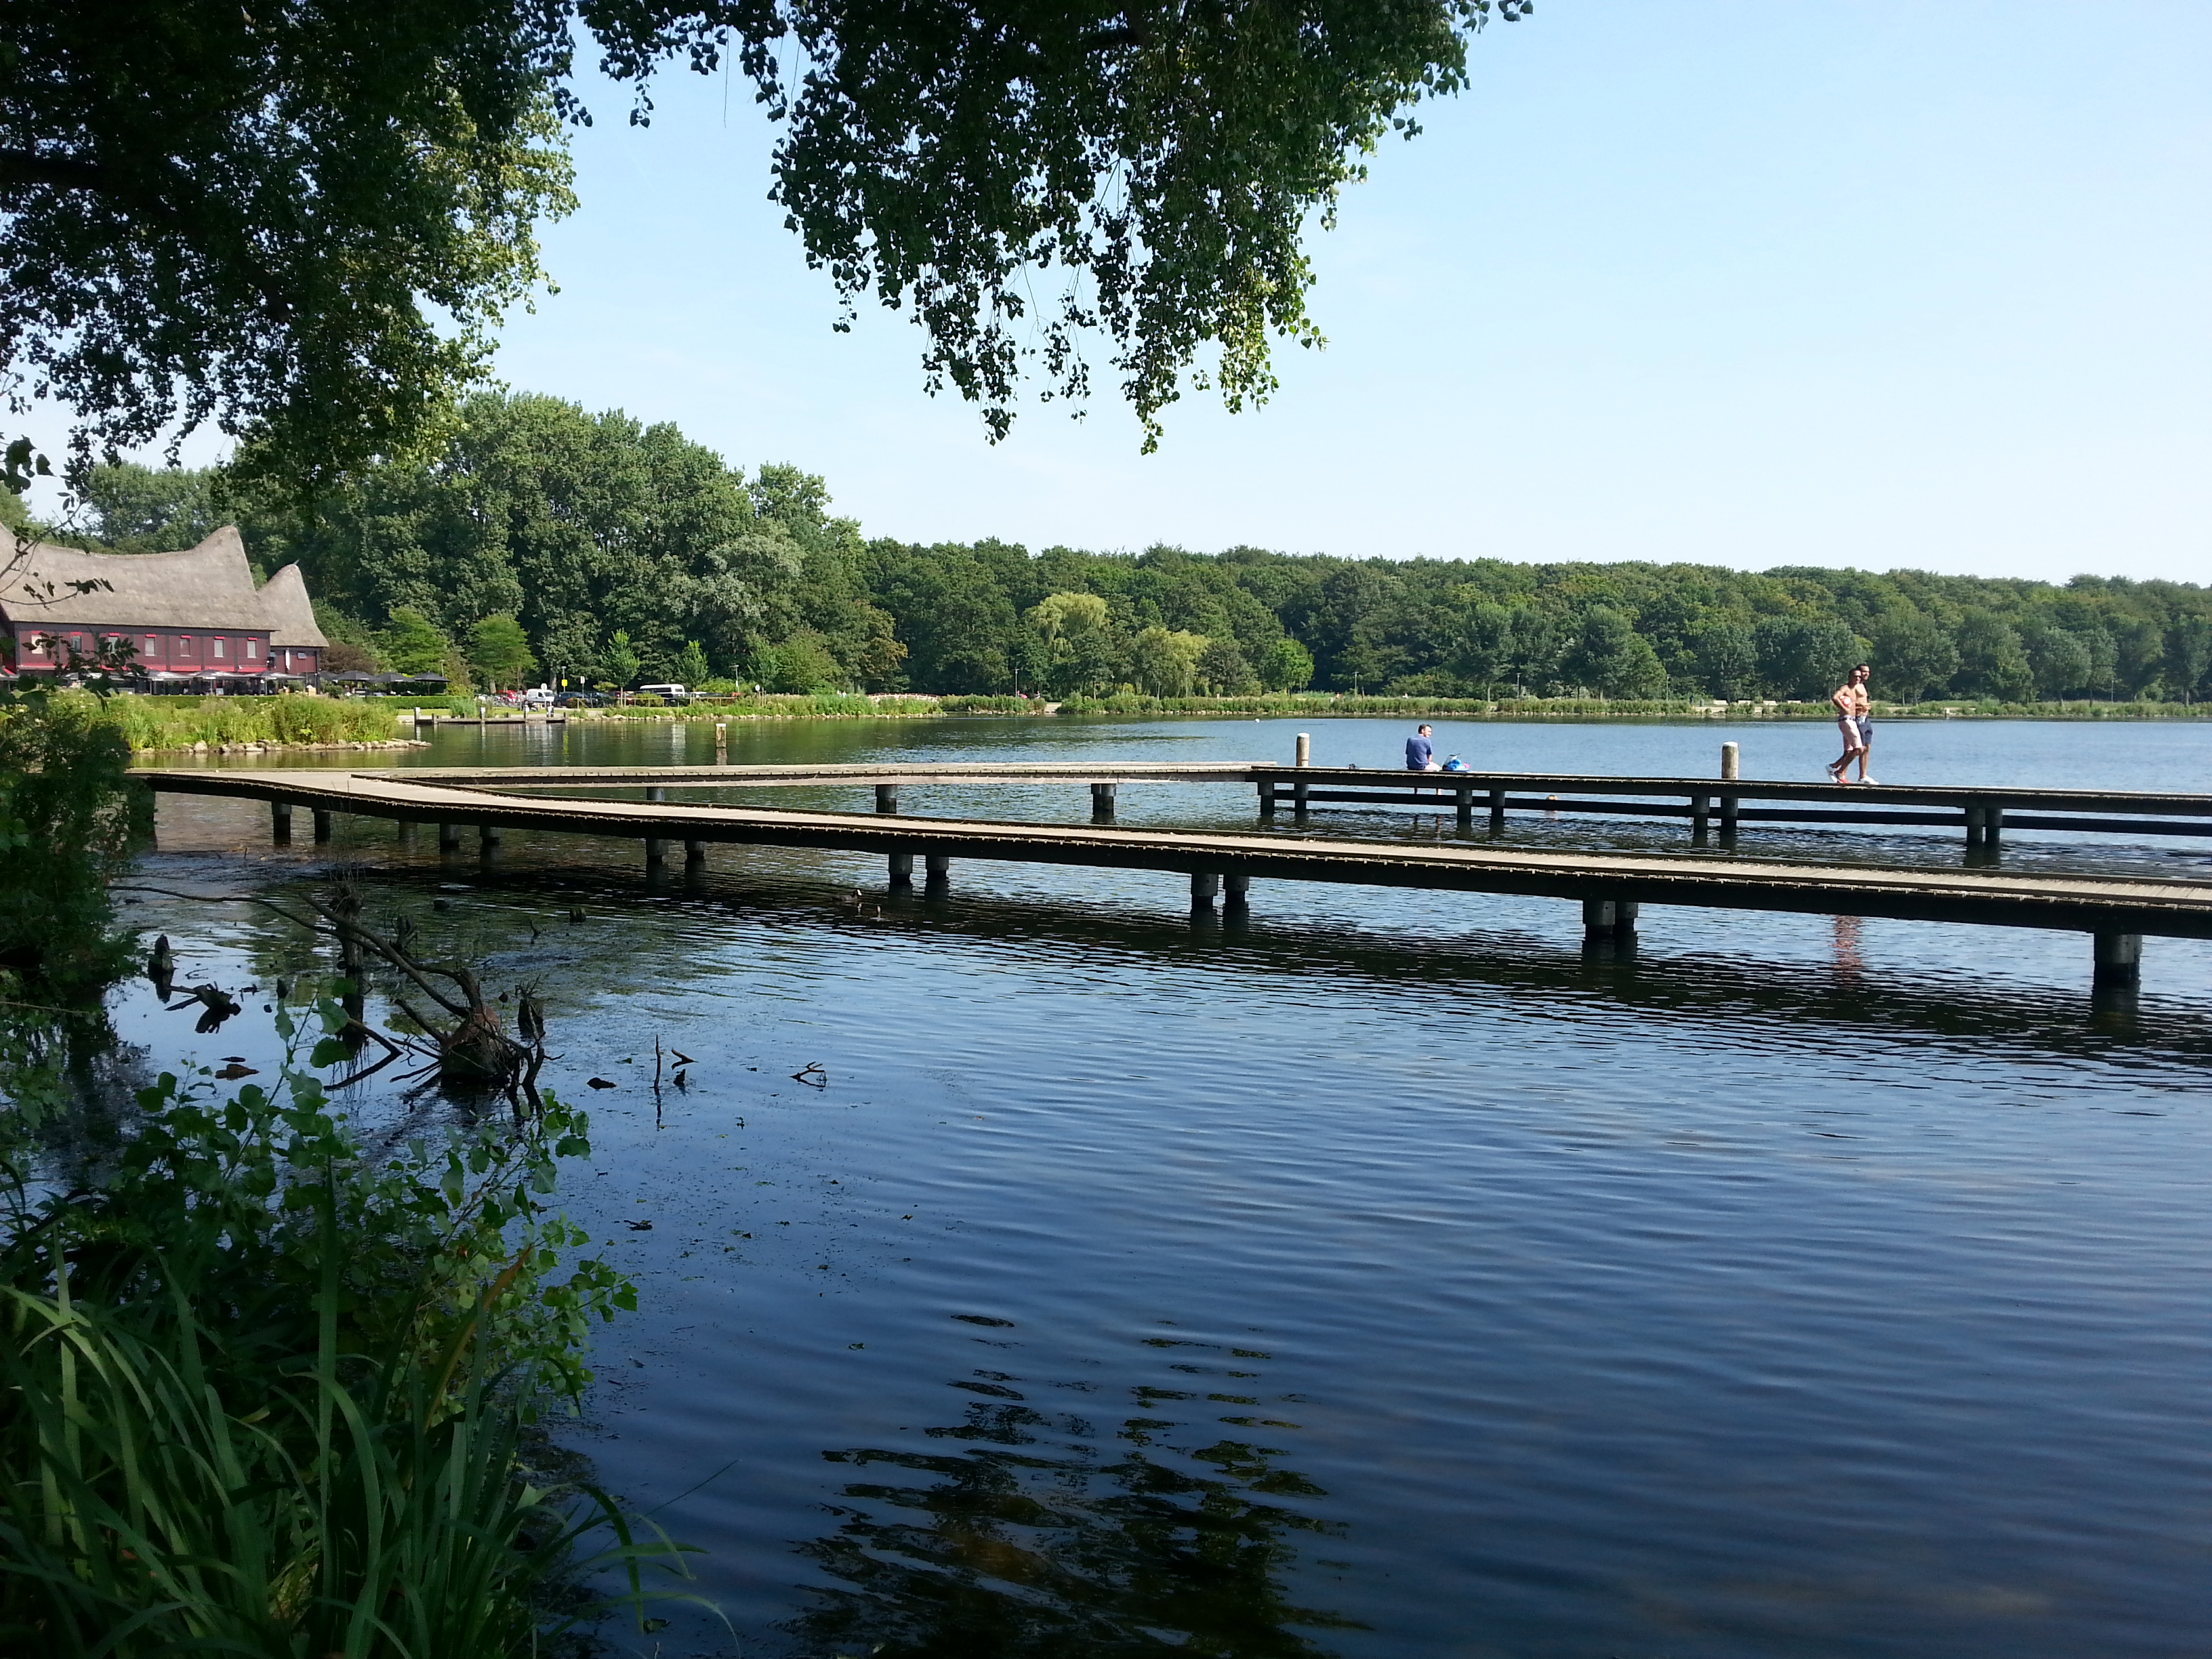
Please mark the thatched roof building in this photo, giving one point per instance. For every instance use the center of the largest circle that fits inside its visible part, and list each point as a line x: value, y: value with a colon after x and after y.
x: 190, y: 616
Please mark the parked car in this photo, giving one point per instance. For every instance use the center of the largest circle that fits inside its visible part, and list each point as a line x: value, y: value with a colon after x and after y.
x: 584, y: 700
x: 673, y: 694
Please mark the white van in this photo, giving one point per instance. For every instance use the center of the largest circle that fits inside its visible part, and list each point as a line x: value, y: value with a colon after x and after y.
x: 666, y: 693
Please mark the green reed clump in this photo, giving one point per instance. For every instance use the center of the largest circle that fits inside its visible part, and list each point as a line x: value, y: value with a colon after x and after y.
x: 291, y: 718
x: 66, y: 821
x: 263, y: 1394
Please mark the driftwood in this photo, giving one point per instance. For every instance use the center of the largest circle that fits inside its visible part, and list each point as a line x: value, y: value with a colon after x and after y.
x: 470, y: 1048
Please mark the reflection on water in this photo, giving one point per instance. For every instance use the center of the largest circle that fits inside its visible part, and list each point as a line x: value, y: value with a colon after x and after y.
x: 1035, y: 1533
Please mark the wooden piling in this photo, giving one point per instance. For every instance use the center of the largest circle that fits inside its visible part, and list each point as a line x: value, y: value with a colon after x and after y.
x: 1498, y: 808
x: 901, y: 869
x: 1701, y: 812
x: 887, y: 797
x: 1266, y: 797
x: 721, y: 741
x: 1730, y: 755
x: 695, y: 852
x: 656, y: 792
x: 487, y: 837
x: 449, y: 838
x: 280, y: 821
x: 938, y: 866
x: 1238, y: 888
x: 322, y: 824
x: 1306, y: 749
x: 656, y: 850
x: 1464, y: 797
x: 1204, y: 887
x: 1102, y: 803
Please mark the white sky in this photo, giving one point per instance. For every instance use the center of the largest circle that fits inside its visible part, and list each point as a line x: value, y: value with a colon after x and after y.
x: 1875, y: 283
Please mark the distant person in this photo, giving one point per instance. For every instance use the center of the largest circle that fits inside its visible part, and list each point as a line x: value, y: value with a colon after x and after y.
x: 1421, y: 751
x: 1855, y: 717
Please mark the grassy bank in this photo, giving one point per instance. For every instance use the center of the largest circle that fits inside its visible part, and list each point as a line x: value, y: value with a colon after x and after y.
x: 815, y: 705
x: 1326, y: 705
x: 288, y: 721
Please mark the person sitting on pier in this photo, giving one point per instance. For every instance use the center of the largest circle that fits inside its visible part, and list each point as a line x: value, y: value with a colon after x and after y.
x: 1420, y: 752
x: 1855, y: 715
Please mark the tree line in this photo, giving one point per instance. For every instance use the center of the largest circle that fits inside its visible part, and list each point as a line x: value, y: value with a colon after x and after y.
x: 545, y: 541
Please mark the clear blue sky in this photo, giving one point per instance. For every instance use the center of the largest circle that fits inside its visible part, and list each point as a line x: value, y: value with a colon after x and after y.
x: 1736, y: 280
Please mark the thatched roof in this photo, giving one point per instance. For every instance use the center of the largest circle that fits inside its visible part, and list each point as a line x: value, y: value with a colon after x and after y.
x: 208, y: 586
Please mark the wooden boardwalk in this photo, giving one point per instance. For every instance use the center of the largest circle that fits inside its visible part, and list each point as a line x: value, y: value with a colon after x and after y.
x: 1705, y: 803
x: 1610, y: 887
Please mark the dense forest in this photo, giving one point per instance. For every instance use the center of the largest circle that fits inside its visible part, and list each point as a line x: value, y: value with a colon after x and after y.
x: 545, y: 541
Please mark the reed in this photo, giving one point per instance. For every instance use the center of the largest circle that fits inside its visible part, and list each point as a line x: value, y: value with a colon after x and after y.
x: 263, y: 1394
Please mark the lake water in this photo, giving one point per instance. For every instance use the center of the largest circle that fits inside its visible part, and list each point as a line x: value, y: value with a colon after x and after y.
x: 1375, y: 1274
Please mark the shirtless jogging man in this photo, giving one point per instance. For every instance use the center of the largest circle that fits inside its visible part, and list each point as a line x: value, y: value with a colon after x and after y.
x: 1855, y: 715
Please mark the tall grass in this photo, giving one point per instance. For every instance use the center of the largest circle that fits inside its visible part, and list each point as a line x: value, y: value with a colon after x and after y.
x: 180, y: 722
x: 262, y: 1394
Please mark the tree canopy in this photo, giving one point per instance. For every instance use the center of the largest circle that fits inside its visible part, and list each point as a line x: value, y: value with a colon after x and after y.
x: 301, y: 220
x: 617, y: 551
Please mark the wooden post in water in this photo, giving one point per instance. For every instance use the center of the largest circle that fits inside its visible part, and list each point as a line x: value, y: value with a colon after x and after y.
x: 1238, y: 888
x: 1701, y: 811
x: 1266, y: 797
x: 1992, y: 824
x: 1306, y: 749
x: 2118, y: 958
x: 449, y: 838
x: 721, y: 743
x: 1102, y: 803
x: 695, y: 852
x: 656, y: 850
x: 486, y: 839
x: 1498, y: 808
x: 656, y: 792
x: 1977, y: 823
x: 1205, y: 888
x: 406, y: 832
x: 280, y: 821
x: 901, y: 869
x: 936, y: 867
x: 322, y: 824
x: 1728, y: 757
x: 887, y: 797
x: 1597, y: 919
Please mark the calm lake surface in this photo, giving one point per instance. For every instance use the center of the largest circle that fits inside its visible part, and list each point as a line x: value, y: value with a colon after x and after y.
x: 1374, y: 1275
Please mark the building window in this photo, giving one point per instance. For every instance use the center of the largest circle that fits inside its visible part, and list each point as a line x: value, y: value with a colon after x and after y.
x: 252, y: 650
x: 184, y: 645
x: 152, y: 647
x: 214, y: 650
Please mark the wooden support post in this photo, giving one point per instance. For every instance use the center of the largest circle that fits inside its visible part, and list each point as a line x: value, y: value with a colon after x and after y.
x: 487, y: 837
x: 407, y: 826
x: 2118, y: 958
x: 1624, y: 918
x: 1701, y: 812
x: 1266, y: 797
x: 1727, y: 817
x: 1730, y: 755
x: 887, y: 797
x: 1977, y: 824
x: 1298, y: 801
x: 280, y: 821
x: 1238, y: 888
x: 1205, y: 888
x: 1599, y: 916
x: 695, y: 852
x: 1464, y: 796
x: 1102, y: 802
x: 1992, y: 825
x: 721, y: 741
x: 1306, y: 749
x: 901, y: 869
x: 655, y: 792
x: 656, y: 850
x: 322, y: 824
x: 1498, y: 808
x: 938, y: 866
x: 449, y: 838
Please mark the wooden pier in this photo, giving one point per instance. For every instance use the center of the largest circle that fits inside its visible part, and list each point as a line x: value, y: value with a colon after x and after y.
x: 1609, y: 887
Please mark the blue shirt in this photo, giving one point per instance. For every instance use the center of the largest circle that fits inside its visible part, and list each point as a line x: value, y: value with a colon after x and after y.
x: 1419, y: 752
